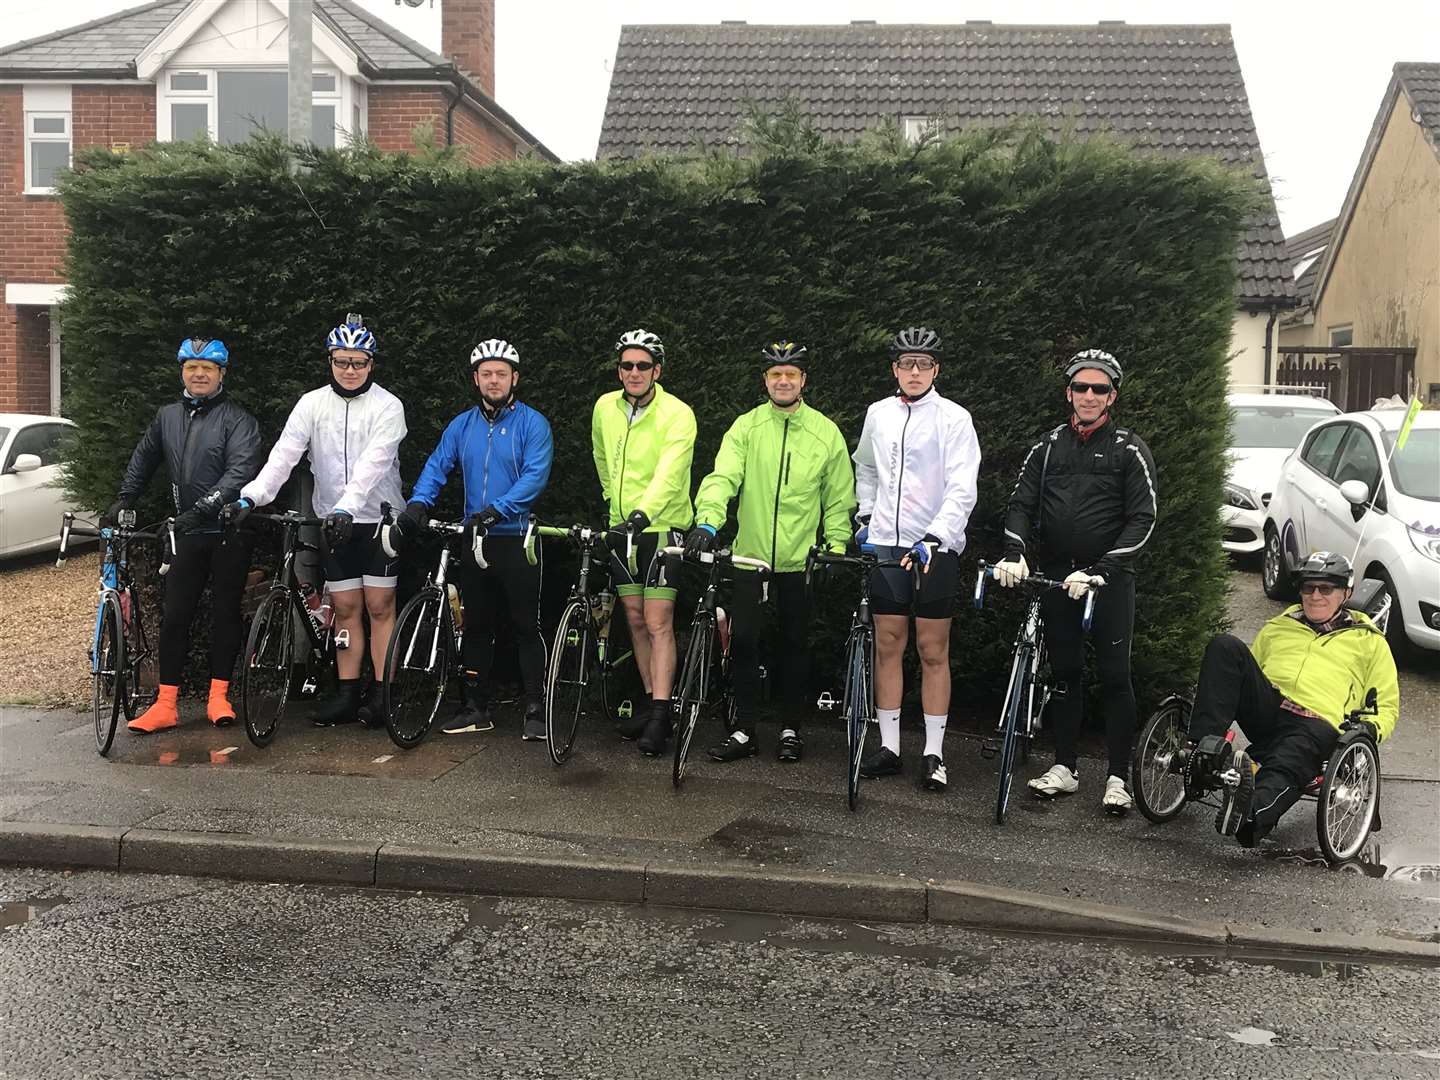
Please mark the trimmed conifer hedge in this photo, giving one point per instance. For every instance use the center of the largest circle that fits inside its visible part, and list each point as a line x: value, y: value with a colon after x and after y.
x: 1019, y: 249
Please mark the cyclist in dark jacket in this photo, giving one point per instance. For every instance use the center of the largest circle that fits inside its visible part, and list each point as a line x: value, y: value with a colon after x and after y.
x: 210, y: 446
x: 1083, y: 508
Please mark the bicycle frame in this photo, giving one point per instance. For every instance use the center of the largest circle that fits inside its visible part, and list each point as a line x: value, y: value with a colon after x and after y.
x: 288, y: 581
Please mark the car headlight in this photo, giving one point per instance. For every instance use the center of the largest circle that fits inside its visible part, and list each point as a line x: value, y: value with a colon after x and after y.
x: 1239, y: 497
x: 1426, y: 541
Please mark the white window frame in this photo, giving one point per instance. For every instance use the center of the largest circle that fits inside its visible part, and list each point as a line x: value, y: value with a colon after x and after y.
x: 1343, y: 328
x: 46, y: 102
x: 916, y: 127
x: 340, y: 99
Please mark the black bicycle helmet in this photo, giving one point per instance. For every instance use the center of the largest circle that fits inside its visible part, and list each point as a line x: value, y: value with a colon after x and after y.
x: 916, y: 339
x: 785, y: 352
x: 1098, y: 359
x: 1325, y: 566
x: 642, y: 339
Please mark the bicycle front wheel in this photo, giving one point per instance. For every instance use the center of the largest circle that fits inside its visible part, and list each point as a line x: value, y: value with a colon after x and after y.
x: 1016, y: 696
x: 859, y: 707
x: 1155, y: 776
x: 567, y: 681
x: 107, y: 668
x: 265, y: 670
x: 141, y: 675
x: 417, y: 667
x: 689, y: 697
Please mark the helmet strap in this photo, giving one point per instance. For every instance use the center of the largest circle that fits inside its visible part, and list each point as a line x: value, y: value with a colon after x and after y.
x: 911, y: 400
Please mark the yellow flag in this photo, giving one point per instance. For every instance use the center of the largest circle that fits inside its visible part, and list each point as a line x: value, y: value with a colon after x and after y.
x: 1410, y: 415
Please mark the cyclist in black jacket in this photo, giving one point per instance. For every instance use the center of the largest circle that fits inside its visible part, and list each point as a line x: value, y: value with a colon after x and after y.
x: 1082, y: 509
x: 210, y: 446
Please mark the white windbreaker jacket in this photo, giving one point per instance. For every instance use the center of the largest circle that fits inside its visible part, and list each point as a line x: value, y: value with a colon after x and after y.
x: 915, y: 471
x: 354, y: 446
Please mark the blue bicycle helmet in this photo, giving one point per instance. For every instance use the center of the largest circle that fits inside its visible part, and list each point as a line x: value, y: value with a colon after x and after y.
x: 352, y: 335
x: 198, y: 348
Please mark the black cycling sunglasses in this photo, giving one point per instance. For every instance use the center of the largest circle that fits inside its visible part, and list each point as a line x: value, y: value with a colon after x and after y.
x: 1323, y: 588
x: 1100, y: 388
x: 636, y: 365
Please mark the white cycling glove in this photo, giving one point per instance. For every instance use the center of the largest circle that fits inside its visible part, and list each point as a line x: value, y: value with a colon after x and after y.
x: 1011, y: 572
x: 1079, y: 583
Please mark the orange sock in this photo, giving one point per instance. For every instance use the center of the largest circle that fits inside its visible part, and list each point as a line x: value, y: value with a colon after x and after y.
x: 159, y: 716
x: 218, y: 708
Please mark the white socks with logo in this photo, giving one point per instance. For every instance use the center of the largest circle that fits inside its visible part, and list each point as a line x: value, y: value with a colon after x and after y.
x: 889, y: 729
x: 935, y: 735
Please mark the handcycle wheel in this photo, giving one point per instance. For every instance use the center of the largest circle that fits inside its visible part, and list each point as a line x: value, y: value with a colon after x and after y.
x: 691, y: 697
x: 859, y: 708
x: 265, y: 668
x: 1159, y: 787
x: 567, y: 680
x: 417, y: 667
x: 1348, y: 799
x: 1015, y: 705
x: 107, y: 670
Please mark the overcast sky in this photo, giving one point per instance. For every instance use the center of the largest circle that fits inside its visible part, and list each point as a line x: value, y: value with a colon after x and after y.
x: 1315, y: 71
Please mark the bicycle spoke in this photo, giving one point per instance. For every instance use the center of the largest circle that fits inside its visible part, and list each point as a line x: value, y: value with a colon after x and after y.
x: 568, y: 680
x: 417, y: 667
x: 266, y: 668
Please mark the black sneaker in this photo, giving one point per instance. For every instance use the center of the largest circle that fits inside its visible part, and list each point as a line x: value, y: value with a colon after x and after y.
x: 790, y: 747
x: 633, y: 726
x: 884, y: 762
x: 732, y: 749
x: 372, y: 709
x: 344, y: 708
x: 469, y: 719
x: 534, y: 729
x: 934, y: 770
x: 656, y: 734
x: 1237, y: 786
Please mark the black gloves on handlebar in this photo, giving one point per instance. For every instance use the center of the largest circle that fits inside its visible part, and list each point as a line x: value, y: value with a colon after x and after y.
x: 233, y: 514
x: 479, y: 524
x: 412, y: 519
x: 203, y: 515
x: 338, y: 525
x: 638, y: 521
x: 112, y: 515
x: 1367, y: 726
x: 699, y: 540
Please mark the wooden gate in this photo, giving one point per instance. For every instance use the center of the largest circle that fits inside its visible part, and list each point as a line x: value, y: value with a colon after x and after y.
x: 1354, y: 375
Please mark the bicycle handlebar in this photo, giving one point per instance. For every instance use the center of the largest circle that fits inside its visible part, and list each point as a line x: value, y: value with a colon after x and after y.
x: 864, y: 560
x: 289, y: 517
x: 1035, y: 581
x: 723, y: 556
x: 164, y: 529
x: 444, y: 528
x: 580, y: 534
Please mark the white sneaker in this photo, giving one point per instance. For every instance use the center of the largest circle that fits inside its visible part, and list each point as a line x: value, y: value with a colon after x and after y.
x: 1117, y: 800
x: 1057, y: 780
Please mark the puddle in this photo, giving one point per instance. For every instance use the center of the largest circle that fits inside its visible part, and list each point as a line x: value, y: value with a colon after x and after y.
x: 19, y: 912
x: 1342, y: 970
x: 579, y: 777
x: 758, y: 841
x: 1253, y: 1036
x: 1413, y: 865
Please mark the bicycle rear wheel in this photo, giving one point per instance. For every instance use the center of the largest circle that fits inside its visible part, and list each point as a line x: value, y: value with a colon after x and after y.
x: 1348, y: 798
x: 265, y: 669
x: 1016, y: 697
x: 567, y: 681
x: 859, y: 707
x: 690, y: 694
x: 417, y: 667
x: 141, y: 674
x: 622, y: 691
x: 1159, y: 785
x: 107, y: 671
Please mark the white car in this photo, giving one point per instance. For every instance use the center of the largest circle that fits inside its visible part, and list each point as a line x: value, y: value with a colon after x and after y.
x: 1338, y: 490
x: 31, y: 500
x: 1264, y: 431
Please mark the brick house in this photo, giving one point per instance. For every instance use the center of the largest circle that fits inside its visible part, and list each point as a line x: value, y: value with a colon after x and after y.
x: 1170, y: 89
x: 178, y: 68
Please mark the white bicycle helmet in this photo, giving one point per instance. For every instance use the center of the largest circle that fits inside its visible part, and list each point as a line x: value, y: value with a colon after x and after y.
x: 351, y: 334
x: 642, y: 339
x: 495, y: 349
x: 1098, y: 359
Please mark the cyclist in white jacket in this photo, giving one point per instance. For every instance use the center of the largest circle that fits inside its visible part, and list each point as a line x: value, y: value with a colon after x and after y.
x: 915, y: 471
x: 352, y: 429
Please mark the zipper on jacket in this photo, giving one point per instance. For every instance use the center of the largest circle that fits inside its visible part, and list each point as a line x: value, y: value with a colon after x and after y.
x: 625, y: 459
x: 190, y: 415
x: 900, y: 476
x: 780, y: 475
x: 485, y: 470
x: 345, y: 440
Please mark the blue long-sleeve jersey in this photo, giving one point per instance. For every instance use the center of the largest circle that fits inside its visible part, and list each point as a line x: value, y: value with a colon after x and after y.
x: 505, y: 463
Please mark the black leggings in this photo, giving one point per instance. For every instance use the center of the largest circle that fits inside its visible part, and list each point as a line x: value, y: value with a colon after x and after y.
x: 509, y: 586
x: 1111, y: 629
x: 788, y: 663
x: 1291, y: 748
x: 201, y: 557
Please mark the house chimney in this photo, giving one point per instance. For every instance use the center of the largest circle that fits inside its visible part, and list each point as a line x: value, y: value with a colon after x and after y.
x: 467, y: 36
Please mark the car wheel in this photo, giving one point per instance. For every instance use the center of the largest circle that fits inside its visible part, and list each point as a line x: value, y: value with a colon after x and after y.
x: 1273, y: 576
x: 1394, y: 632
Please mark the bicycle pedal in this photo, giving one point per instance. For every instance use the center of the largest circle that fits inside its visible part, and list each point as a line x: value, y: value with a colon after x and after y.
x: 989, y: 749
x: 342, y: 639
x: 572, y: 638
x: 625, y: 710
x: 309, y: 686
x: 825, y: 702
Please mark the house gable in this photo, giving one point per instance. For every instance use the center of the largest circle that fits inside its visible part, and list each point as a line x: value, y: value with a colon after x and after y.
x: 249, y: 33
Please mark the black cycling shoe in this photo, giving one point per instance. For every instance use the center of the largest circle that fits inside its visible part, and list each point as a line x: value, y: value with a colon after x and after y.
x: 1237, y: 783
x: 732, y: 749
x: 372, y: 710
x: 656, y: 734
x: 343, y: 709
x: 934, y: 771
x: 633, y: 726
x: 468, y: 719
x: 884, y: 762
x: 534, y: 728
x: 790, y: 747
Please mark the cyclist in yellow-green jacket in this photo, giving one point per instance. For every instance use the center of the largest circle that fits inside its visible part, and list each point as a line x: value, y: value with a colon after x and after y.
x: 791, y: 469
x: 643, y: 440
x: 1290, y: 691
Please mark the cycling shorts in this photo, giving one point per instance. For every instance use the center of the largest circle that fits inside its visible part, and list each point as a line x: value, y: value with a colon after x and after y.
x: 892, y: 590
x: 650, y: 579
x: 360, y: 562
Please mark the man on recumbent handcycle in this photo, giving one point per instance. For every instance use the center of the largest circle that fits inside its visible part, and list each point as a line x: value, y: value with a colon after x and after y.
x: 1290, y: 692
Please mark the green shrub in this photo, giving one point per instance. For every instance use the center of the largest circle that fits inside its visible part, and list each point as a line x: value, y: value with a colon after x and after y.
x: 1018, y: 249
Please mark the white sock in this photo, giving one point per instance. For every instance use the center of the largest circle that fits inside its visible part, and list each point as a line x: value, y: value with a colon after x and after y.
x: 935, y: 735
x: 889, y: 729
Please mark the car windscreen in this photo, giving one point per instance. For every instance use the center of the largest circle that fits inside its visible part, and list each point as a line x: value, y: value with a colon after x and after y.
x: 1416, y: 468
x: 1279, y: 427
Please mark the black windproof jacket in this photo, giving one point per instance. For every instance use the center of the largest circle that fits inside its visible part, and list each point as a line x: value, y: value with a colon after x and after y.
x: 1083, y: 505
x: 210, y: 449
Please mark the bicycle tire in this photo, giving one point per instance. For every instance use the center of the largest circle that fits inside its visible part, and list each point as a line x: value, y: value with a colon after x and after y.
x: 266, y: 668
x: 141, y: 676
x: 567, y: 680
x: 1033, y: 700
x: 417, y: 667
x: 859, y: 709
x: 107, y: 671
x: 1348, y: 799
x: 690, y: 698
x: 621, y: 688
x: 1009, y: 748
x: 1159, y: 791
